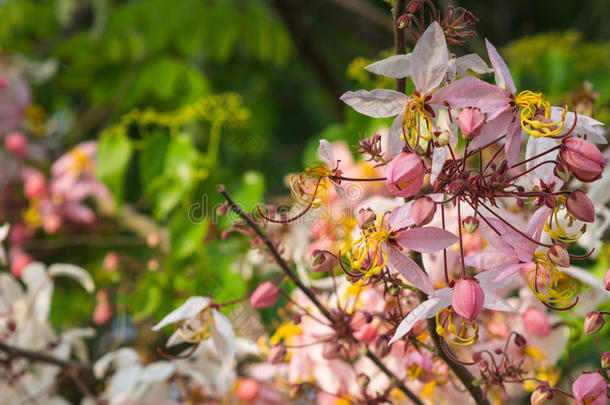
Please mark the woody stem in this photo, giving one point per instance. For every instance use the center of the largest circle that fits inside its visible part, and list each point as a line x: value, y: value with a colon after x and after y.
x: 310, y: 294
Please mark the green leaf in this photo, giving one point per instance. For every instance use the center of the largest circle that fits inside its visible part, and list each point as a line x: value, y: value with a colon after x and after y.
x: 152, y: 158
x: 185, y: 235
x: 114, y: 153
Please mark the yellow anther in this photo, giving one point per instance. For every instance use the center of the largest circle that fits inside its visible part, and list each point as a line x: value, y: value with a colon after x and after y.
x: 369, y: 248
x: 547, y: 282
x: 415, y: 116
x: 536, y: 115
x: 556, y: 230
x: 310, y: 187
x: 198, y: 330
x: 463, y: 337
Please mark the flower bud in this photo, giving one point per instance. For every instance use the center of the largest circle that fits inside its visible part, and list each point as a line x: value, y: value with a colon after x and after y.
x: 414, y: 6
x: 265, y: 295
x: 559, y: 255
x: 590, y: 389
x: 34, y: 184
x: 403, y: 21
x: 103, y: 310
x: 423, y: 210
x: 16, y: 143
x: 562, y: 172
x: 520, y: 341
x: 405, y: 175
x: 607, y: 280
x: 471, y: 121
x: 468, y: 298
x: 593, y: 322
x: 541, y: 395
x: 536, y: 322
x: 484, y: 365
x: 583, y: 158
x: 470, y: 224
x: 322, y: 261
x: 605, y: 360
x: 580, y: 206
x: 247, y: 389
x: 365, y: 218
x: 363, y: 380
x: 222, y: 210
x: 277, y: 354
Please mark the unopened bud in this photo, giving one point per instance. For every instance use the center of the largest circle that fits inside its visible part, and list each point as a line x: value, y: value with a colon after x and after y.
x: 423, y: 210
x: 363, y: 380
x: 550, y: 201
x: 403, y: 21
x: 520, y: 340
x: 471, y: 121
x: 605, y: 360
x: 607, y: 280
x: 322, y: 261
x: 365, y: 218
x: 580, y: 206
x: 541, y: 395
x: 265, y: 295
x: 222, y: 210
x: 442, y: 139
x: 414, y: 6
x: 468, y: 298
x: 559, y: 255
x: 470, y: 224
x: 484, y: 365
x: 593, y: 322
x: 583, y: 158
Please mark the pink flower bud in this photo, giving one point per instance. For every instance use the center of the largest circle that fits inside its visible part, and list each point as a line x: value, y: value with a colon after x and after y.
x: 559, y: 255
x: 322, y: 261
x: 607, y: 280
x: 580, y: 206
x: 471, y: 121
x: 605, y: 360
x: 111, y: 262
x: 590, y: 389
x: 365, y: 218
x: 16, y: 143
x: 414, y: 6
x: 265, y: 295
x: 103, y: 310
x: 583, y: 158
x: 403, y: 21
x: 468, y: 298
x: 405, y: 175
x: 34, y: 184
x: 594, y: 322
x: 19, y: 262
x: 536, y: 322
x: 423, y: 210
x: 470, y: 224
x: 247, y: 389
x: 541, y: 395
x: 520, y: 341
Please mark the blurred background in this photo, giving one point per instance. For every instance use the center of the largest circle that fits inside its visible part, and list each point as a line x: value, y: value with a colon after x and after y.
x: 184, y: 94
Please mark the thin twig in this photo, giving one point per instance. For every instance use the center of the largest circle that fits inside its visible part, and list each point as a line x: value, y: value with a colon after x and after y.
x: 400, y: 47
x: 41, y: 357
x: 310, y: 294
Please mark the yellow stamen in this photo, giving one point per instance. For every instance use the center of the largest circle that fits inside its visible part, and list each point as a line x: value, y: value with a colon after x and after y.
x: 310, y: 187
x: 81, y: 163
x: 531, y: 105
x: 204, y: 332
x: 454, y: 336
x: 415, y: 112
x: 368, y: 248
x: 547, y: 282
x: 555, y: 230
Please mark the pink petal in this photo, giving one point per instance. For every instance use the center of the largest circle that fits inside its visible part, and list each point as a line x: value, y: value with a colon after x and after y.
x: 492, y: 130
x: 429, y: 59
x: 406, y: 267
x: 501, y: 72
x: 512, y: 145
x: 401, y: 217
x: 472, y: 92
x: 428, y: 239
x: 489, y: 260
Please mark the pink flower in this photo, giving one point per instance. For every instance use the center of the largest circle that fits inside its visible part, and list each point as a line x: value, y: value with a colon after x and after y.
x: 16, y: 143
x: 468, y: 298
x: 590, y: 389
x: 536, y: 322
x: 471, y: 121
x: 582, y: 158
x: 405, y: 175
x: 265, y: 295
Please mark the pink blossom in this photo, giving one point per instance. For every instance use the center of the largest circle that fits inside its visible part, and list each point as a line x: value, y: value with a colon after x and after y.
x: 16, y: 143
x: 405, y: 175
x: 468, y: 298
x: 536, y: 322
x: 471, y: 121
x: 590, y: 389
x: 265, y: 295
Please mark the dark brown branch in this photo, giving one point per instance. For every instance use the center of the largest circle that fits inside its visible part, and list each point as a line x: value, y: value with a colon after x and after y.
x: 310, y: 294
x: 41, y: 357
x: 459, y: 370
x: 400, y: 47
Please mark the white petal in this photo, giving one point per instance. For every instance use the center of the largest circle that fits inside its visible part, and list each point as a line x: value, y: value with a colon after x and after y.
x: 496, y: 303
x: 429, y: 60
x: 396, y: 66
x: 401, y: 217
x: 406, y: 267
x: 4, y: 231
x: 223, y: 337
x: 377, y: 103
x: 586, y: 127
x: 426, y: 309
x: 536, y: 146
x: 586, y: 277
x: 473, y: 62
x: 190, y: 308
x: 439, y: 156
x: 325, y: 151
x: 501, y: 72
x: 395, y: 138
x: 157, y: 372
x: 79, y: 274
